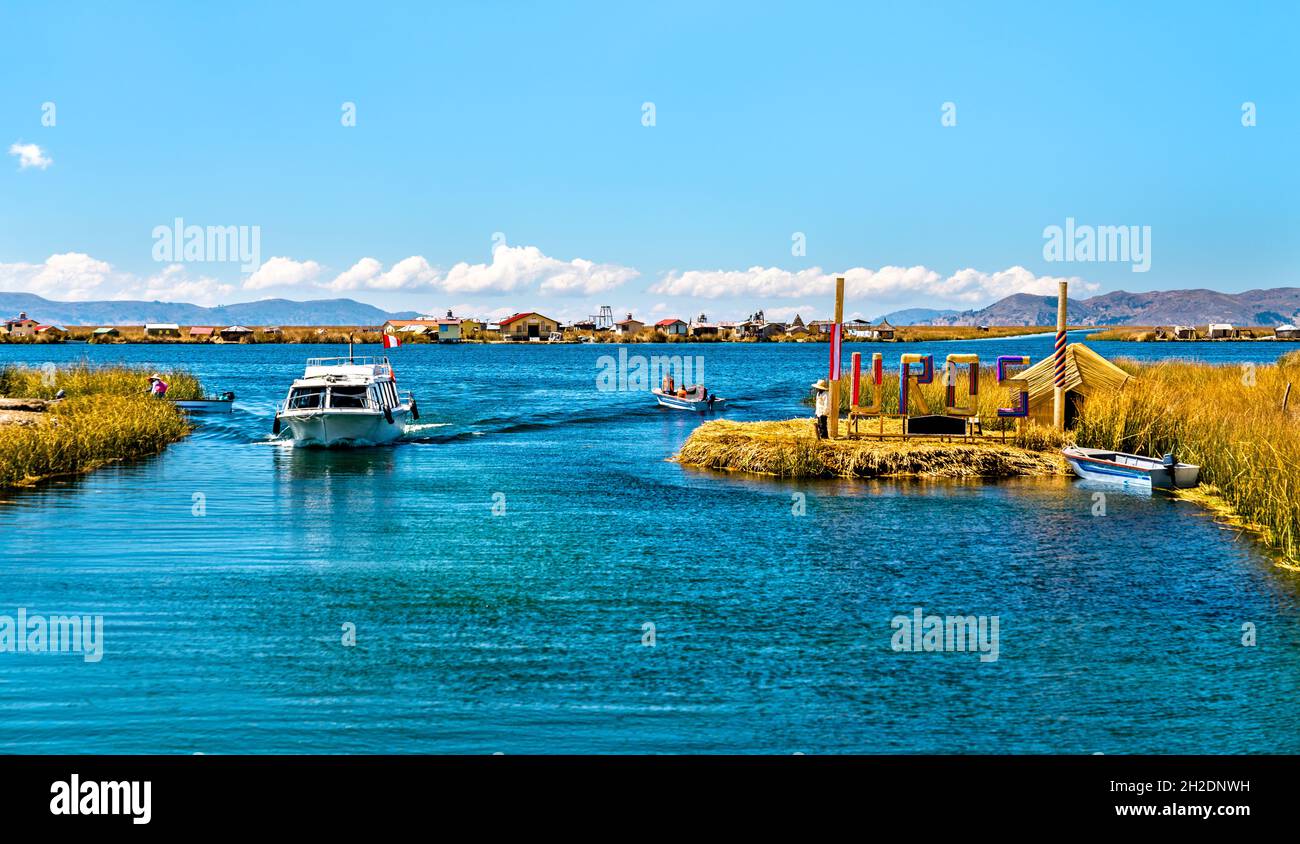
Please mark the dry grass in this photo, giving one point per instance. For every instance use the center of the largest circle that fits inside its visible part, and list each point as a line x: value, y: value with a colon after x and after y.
x: 791, y: 449
x: 288, y: 334
x: 106, y: 417
x: 1226, y: 419
x: 85, y: 380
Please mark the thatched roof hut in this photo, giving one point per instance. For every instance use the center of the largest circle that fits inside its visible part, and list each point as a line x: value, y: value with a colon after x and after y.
x: 1086, y: 373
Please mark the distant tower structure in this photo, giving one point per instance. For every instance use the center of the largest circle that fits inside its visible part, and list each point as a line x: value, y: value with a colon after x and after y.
x: 606, y: 317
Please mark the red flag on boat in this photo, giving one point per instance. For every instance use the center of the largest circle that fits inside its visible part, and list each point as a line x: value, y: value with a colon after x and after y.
x: 835, y: 351
x: 392, y: 341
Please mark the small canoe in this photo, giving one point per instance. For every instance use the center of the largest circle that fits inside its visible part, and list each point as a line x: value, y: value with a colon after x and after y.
x: 1097, y: 464
x: 223, y: 403
x: 692, y: 401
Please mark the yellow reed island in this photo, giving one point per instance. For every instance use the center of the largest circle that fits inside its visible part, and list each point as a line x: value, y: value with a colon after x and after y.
x: 103, y: 415
x: 791, y: 449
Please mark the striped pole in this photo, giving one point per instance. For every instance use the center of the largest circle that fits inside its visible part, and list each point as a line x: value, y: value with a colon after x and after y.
x: 833, y: 423
x: 856, y: 357
x: 1058, y: 358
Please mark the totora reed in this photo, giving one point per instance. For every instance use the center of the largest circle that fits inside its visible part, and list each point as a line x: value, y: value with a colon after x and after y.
x: 106, y: 416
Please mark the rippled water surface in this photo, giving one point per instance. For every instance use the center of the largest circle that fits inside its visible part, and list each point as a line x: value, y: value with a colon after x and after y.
x: 523, y: 632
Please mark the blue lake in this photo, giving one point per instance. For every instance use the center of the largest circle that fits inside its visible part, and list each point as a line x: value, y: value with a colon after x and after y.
x: 523, y: 632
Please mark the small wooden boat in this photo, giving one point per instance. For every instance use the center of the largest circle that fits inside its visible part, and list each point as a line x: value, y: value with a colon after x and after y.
x: 223, y: 403
x: 697, y: 398
x: 1096, y: 464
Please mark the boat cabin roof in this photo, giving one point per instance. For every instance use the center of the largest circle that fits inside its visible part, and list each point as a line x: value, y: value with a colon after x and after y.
x: 359, y: 369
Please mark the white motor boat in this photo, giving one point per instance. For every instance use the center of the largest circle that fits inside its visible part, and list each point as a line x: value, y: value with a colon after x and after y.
x: 346, y: 401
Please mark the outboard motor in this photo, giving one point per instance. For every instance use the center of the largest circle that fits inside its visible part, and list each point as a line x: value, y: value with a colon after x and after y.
x: 275, y: 426
x: 1171, y: 463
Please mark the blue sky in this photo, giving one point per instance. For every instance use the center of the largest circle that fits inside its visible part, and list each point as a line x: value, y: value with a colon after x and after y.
x: 525, y: 121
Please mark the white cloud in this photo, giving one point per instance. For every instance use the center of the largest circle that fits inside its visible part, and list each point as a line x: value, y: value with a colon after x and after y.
x: 283, y: 272
x: 76, y: 277
x: 70, y: 275
x: 410, y: 273
x: 30, y: 155
x: 516, y: 267
x: 967, y: 287
x: 173, y: 284
x: 513, y: 268
x: 806, y: 311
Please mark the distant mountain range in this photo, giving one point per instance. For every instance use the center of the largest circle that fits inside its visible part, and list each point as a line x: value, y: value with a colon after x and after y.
x: 265, y: 312
x: 916, y: 316
x: 1166, y: 307
x: 1162, y: 307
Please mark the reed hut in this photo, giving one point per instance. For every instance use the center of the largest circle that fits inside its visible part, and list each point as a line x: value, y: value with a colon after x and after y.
x: 1086, y: 373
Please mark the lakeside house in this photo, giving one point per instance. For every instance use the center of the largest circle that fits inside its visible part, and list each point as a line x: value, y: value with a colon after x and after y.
x: 235, y: 333
x: 672, y: 327
x: 882, y: 331
x: 1287, y: 331
x: 703, y: 328
x: 628, y: 327
x: 162, y: 329
x: 56, y: 331
x: 1219, y: 331
x: 202, y: 332
x: 105, y: 332
x: 530, y: 326
x: 449, y: 328
x: 1086, y: 373
x: 272, y: 329
x: 23, y: 326
x: 1185, y: 332
x: 796, y: 328
x: 857, y: 329
x: 417, y: 327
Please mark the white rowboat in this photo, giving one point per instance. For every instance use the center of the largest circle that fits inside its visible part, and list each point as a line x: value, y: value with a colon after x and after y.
x: 1096, y: 464
x: 695, y: 400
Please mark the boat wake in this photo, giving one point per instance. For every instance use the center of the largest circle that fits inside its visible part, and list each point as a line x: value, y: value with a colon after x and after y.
x: 498, y: 425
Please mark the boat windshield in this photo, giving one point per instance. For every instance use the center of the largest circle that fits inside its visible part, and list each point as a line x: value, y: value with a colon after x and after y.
x: 348, y: 397
x: 302, y: 398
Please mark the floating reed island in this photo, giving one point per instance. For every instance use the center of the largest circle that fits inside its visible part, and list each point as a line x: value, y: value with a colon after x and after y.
x: 104, y: 415
x: 791, y: 449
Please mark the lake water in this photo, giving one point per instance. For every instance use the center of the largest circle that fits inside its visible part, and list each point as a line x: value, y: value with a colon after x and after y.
x: 523, y: 632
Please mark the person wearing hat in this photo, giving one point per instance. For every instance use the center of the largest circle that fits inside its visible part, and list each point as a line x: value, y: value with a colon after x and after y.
x: 157, y: 386
x: 822, y: 408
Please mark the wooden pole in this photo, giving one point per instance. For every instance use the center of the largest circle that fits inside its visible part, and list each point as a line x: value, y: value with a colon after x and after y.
x: 1058, y: 393
x: 833, y: 424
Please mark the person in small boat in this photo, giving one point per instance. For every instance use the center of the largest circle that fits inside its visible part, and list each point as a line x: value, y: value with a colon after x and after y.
x: 157, y: 386
x: 822, y: 408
